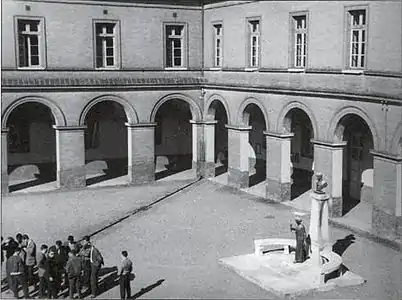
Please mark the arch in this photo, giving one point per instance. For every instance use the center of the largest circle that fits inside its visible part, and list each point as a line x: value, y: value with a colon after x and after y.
x: 194, y: 108
x: 296, y: 104
x: 243, y: 106
x: 57, y: 113
x: 395, y: 145
x: 131, y: 114
x: 335, y: 130
x: 211, y: 99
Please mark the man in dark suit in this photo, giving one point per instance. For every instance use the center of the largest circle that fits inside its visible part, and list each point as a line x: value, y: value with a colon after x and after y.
x: 16, y: 271
x: 62, y: 258
x: 74, y: 270
x: 43, y: 271
x: 54, y: 273
x: 96, y: 260
x: 86, y: 264
x: 30, y: 262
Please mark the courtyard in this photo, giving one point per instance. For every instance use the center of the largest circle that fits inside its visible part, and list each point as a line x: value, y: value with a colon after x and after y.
x: 176, y: 244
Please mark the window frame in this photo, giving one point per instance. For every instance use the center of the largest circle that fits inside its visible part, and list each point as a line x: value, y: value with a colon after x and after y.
x: 348, y: 9
x: 117, y: 44
x: 214, y: 45
x: 292, y: 40
x: 185, y: 47
x: 41, y: 42
x: 249, y: 35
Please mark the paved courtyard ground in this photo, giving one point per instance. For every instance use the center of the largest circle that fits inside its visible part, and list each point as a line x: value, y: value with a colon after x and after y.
x: 176, y: 244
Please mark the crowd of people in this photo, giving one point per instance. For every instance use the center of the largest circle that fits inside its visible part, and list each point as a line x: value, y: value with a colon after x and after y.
x: 72, y: 265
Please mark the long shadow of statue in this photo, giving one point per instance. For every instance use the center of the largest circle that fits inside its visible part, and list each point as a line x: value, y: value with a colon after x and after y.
x: 341, y: 245
x: 147, y: 289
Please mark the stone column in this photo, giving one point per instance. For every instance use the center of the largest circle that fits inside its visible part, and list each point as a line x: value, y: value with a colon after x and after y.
x: 70, y: 152
x: 4, y: 161
x: 328, y: 160
x: 387, y: 206
x: 141, y: 152
x: 279, y: 167
x: 209, y: 142
x: 238, y: 171
x: 198, y: 148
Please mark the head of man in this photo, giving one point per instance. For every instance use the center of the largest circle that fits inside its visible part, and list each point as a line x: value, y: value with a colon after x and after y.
x: 18, y: 237
x: 298, y: 220
x: 52, y: 252
x: 44, y: 249
x: 25, y: 239
x: 124, y: 254
x: 86, y: 240
x: 17, y: 251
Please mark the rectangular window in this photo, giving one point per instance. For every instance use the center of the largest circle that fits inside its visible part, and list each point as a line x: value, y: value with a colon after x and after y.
x: 299, y: 41
x: 357, y: 38
x: 254, y: 43
x: 106, y: 45
x: 175, y: 46
x: 30, y: 39
x: 218, y: 45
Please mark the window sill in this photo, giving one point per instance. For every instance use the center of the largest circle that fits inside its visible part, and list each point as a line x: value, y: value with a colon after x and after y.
x: 175, y: 68
x: 353, y: 72
x: 107, y: 68
x: 251, y: 69
x: 296, y: 70
x: 30, y: 68
x: 216, y: 69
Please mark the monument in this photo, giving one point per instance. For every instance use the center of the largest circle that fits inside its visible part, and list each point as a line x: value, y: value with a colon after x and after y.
x: 291, y: 267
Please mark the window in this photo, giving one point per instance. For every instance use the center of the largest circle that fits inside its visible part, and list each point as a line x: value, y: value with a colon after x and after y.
x: 106, y: 45
x: 218, y: 45
x: 254, y: 43
x: 30, y: 39
x: 299, y: 41
x: 174, y: 47
x: 357, y: 38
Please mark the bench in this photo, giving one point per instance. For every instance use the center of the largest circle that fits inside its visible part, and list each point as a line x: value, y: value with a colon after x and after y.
x: 264, y: 245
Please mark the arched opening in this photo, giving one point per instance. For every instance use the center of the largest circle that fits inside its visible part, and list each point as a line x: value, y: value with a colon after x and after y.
x: 105, y: 142
x: 173, y: 138
x: 357, y: 172
x: 218, y: 111
x: 302, y: 150
x: 31, y: 146
x: 254, y: 117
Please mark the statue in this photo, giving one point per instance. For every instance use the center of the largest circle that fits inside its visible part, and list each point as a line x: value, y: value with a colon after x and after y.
x: 302, y: 241
x: 320, y: 184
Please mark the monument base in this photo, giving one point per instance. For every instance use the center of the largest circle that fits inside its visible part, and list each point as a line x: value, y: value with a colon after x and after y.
x: 277, y: 273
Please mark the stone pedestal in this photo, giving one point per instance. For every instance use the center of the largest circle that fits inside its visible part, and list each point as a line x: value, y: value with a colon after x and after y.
x: 238, y: 147
x: 319, y: 230
x: 387, y: 206
x: 4, y: 161
x: 278, y: 166
x: 70, y: 153
x: 328, y: 160
x: 141, y: 152
x: 209, y: 142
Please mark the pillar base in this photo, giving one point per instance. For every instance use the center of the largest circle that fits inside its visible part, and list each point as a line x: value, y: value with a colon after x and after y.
x: 141, y: 173
x: 209, y: 169
x: 278, y: 191
x: 71, y: 178
x: 385, y: 224
x: 335, y: 210
x: 238, y: 179
x: 4, y: 183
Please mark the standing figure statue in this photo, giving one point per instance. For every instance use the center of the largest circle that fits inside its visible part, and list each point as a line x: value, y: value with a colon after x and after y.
x: 302, y: 241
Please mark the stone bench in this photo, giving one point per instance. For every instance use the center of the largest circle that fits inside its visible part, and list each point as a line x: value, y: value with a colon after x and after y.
x: 263, y: 245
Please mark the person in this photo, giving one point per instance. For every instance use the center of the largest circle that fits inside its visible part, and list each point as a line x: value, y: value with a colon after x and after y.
x: 54, y: 274
x: 16, y: 270
x: 74, y: 269
x: 96, y: 260
x: 72, y: 244
x: 86, y: 264
x: 2, y: 253
x: 125, y: 272
x: 61, y: 258
x: 9, y: 245
x: 43, y: 271
x: 30, y: 262
x: 300, y: 231
x: 18, y: 238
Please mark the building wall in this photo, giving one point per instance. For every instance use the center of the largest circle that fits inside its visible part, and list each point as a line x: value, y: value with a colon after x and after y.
x: 69, y: 33
x: 326, y: 33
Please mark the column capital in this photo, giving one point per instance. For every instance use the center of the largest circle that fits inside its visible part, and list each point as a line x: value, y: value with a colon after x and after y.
x: 140, y: 125
x: 238, y: 127
x: 5, y: 130
x: 328, y: 144
x: 205, y: 122
x: 386, y: 156
x: 279, y: 135
x: 69, y: 128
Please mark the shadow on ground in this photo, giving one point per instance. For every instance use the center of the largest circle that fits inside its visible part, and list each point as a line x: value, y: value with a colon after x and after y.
x: 147, y: 289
